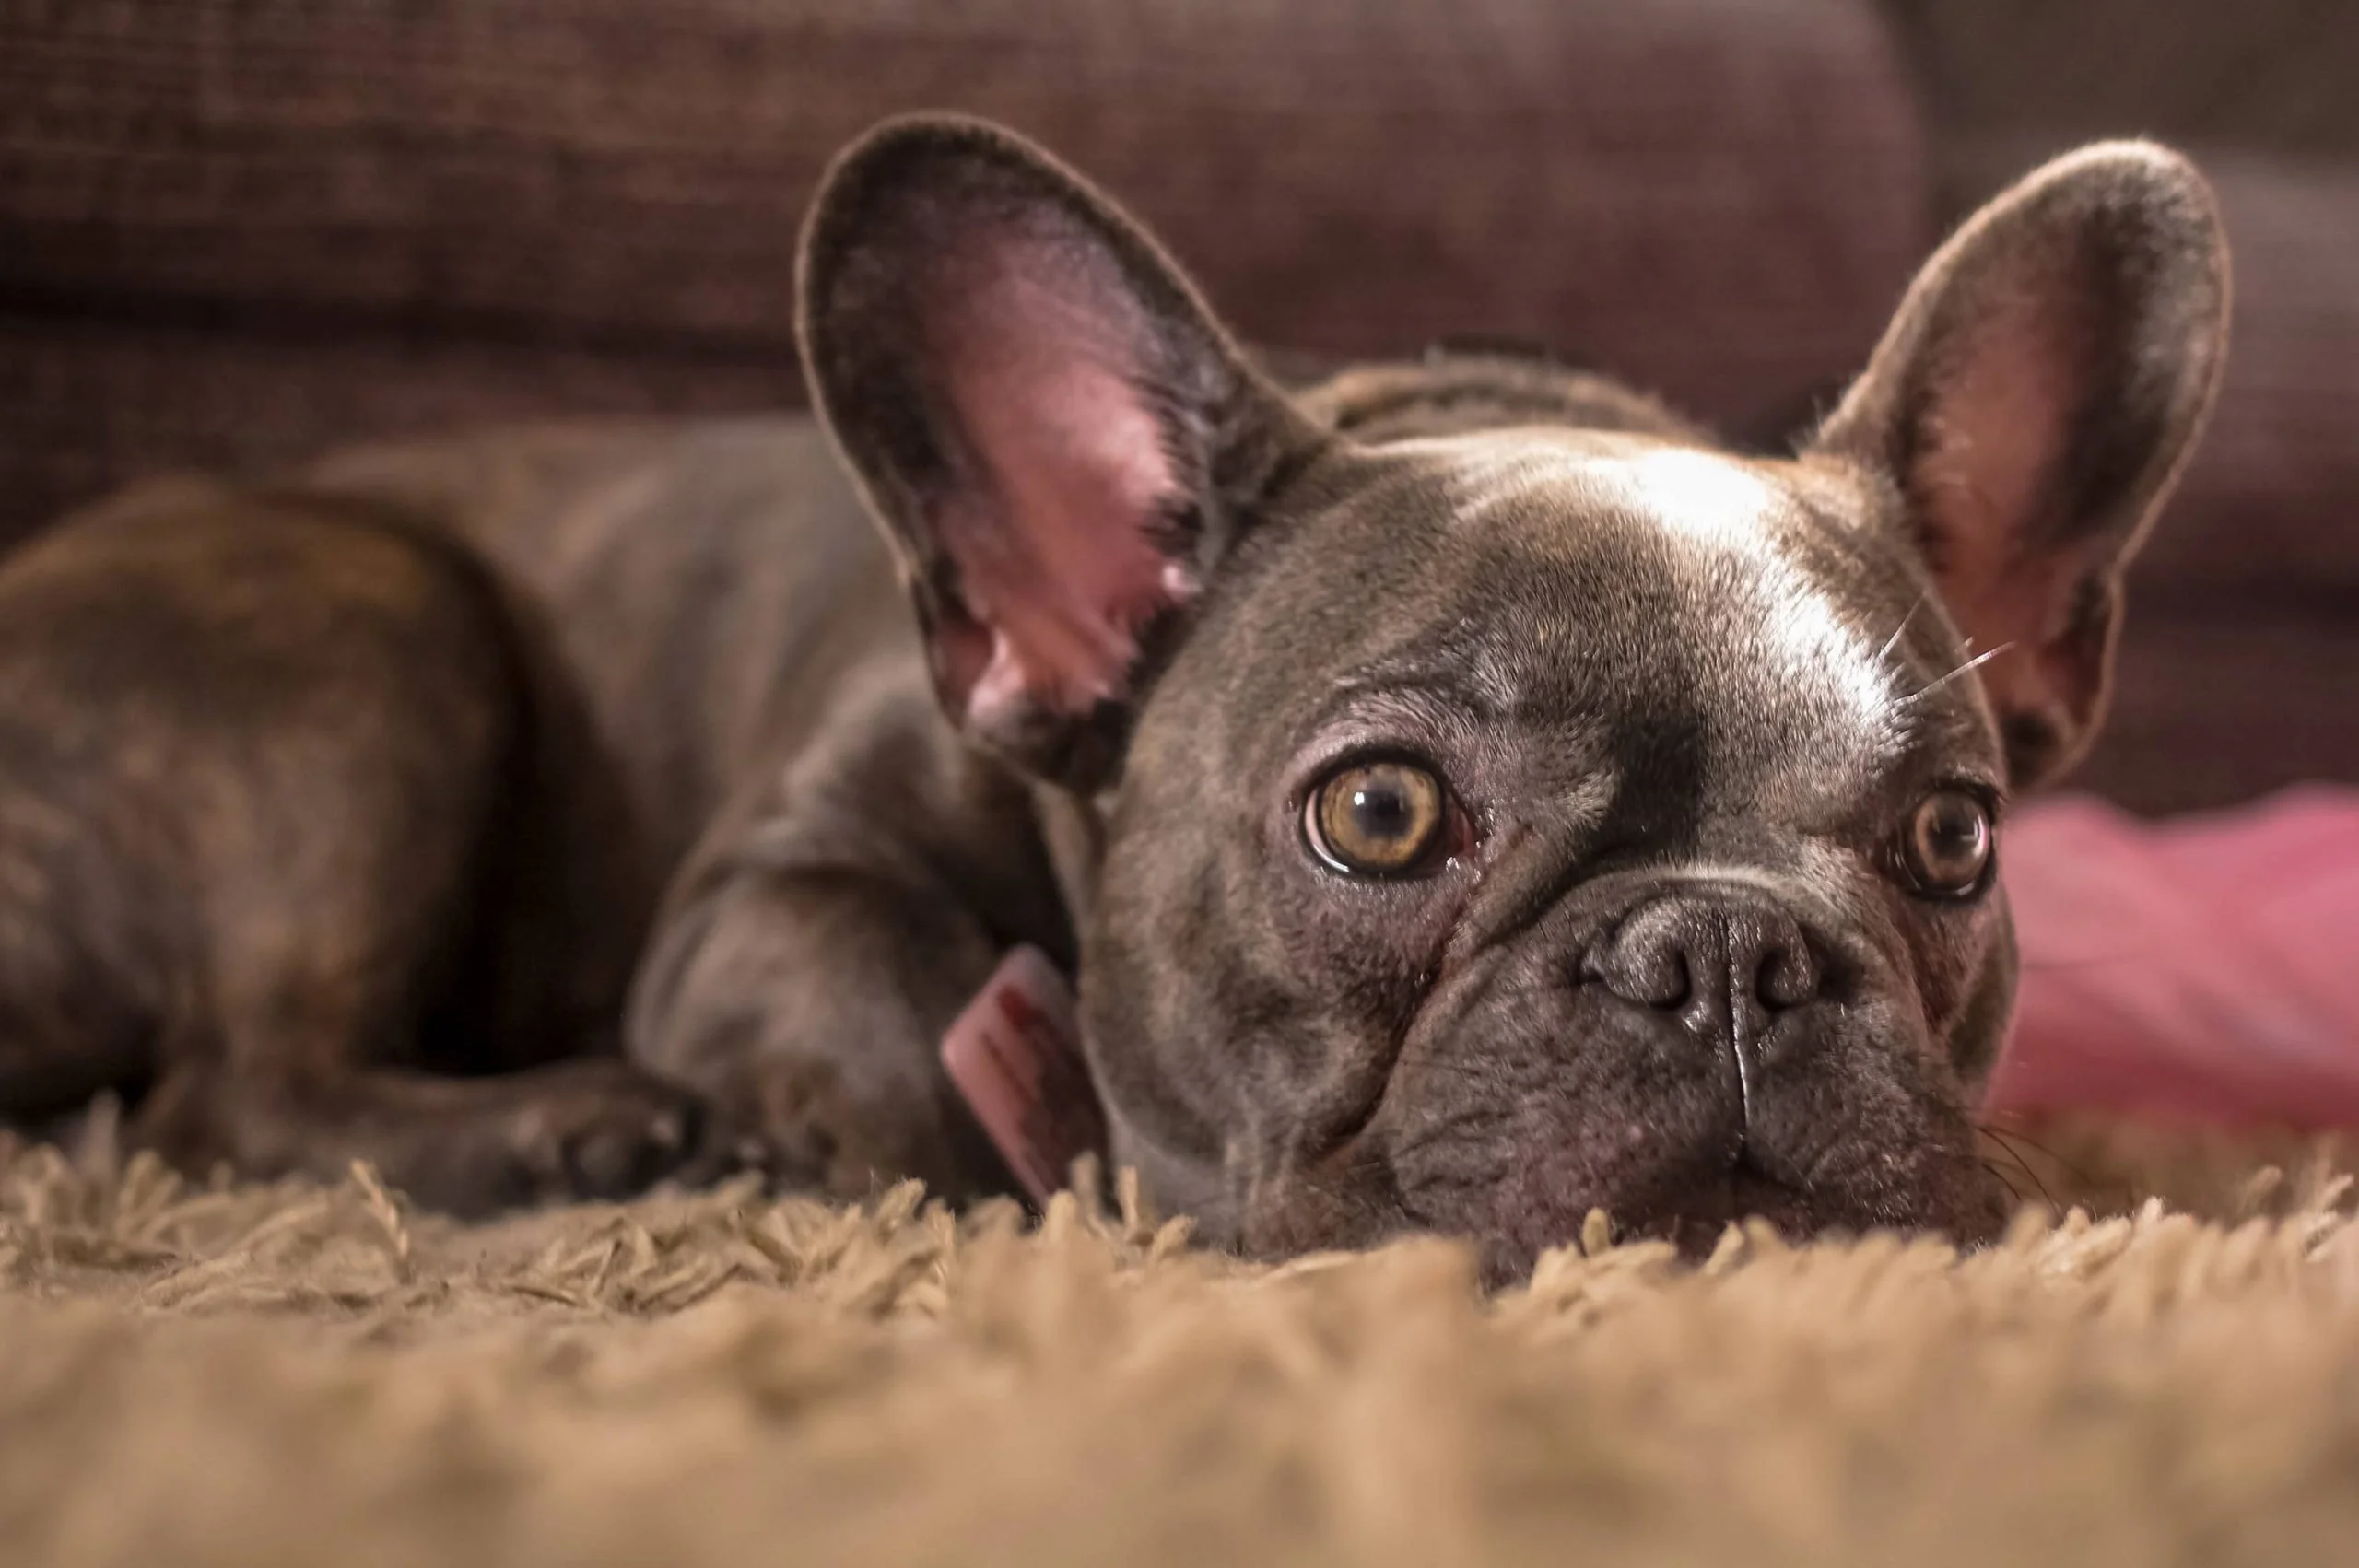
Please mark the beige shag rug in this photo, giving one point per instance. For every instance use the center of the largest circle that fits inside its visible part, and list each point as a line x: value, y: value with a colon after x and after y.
x: 259, y: 1376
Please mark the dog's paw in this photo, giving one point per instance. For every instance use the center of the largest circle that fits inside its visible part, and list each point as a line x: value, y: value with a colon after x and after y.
x: 605, y: 1132
x: 788, y: 1122
x: 805, y: 1126
x: 810, y: 1127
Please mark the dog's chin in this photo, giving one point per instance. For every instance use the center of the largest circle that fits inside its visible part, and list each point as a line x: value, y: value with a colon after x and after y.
x: 1700, y: 1218
x: 1746, y: 1195
x: 1694, y: 1219
x: 1697, y: 1218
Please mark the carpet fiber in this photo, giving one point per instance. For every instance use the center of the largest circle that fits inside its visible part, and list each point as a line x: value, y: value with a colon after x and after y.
x: 253, y: 1376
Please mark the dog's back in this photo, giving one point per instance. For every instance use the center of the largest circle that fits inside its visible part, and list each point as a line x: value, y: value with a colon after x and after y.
x: 216, y: 784
x: 391, y: 760
x: 688, y: 583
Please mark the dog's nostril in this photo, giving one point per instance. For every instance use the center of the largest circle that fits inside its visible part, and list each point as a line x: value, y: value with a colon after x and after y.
x: 1650, y: 979
x: 1645, y: 962
x: 1785, y: 972
x: 1787, y: 978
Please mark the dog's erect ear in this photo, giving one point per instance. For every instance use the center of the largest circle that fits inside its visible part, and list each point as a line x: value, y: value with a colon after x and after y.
x: 2033, y: 401
x: 1061, y: 439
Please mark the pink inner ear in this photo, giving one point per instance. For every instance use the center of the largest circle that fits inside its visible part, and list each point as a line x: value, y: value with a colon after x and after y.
x: 1997, y: 443
x: 1998, y: 435
x: 1053, y: 540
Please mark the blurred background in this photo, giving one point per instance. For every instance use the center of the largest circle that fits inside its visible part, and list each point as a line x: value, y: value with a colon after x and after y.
x: 236, y: 231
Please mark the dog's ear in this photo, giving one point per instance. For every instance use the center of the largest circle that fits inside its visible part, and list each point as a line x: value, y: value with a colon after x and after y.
x: 1060, y: 439
x: 2033, y: 403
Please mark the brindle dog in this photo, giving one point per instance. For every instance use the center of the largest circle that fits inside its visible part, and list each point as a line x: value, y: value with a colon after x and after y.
x: 1467, y: 794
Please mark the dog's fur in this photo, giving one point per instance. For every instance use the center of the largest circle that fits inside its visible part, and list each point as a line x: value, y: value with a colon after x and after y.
x: 351, y: 816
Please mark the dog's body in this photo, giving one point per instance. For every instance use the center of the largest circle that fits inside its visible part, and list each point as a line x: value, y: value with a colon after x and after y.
x: 424, y: 735
x: 1468, y: 797
x: 627, y: 671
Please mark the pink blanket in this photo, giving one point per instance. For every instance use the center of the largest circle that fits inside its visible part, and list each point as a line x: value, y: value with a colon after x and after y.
x: 2197, y: 970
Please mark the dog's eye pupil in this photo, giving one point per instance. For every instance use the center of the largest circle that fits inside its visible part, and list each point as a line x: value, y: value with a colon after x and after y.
x: 1381, y: 811
x: 1378, y: 818
x: 1948, y: 844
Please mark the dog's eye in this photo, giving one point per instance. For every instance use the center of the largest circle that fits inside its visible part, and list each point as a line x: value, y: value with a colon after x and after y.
x: 1946, y: 846
x: 1383, y: 818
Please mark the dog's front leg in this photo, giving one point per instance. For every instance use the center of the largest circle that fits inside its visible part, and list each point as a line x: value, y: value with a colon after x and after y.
x: 807, y: 1003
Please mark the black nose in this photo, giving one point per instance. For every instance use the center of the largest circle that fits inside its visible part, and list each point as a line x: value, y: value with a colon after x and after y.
x: 1707, y: 953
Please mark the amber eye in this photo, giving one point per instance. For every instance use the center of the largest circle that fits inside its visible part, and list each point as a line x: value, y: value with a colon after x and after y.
x: 1378, y: 818
x: 1947, y: 843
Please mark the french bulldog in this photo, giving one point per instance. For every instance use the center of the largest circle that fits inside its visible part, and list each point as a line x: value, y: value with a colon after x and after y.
x: 1466, y: 795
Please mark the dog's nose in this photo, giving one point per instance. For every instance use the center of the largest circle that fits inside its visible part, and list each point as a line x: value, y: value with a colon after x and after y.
x: 1709, y: 954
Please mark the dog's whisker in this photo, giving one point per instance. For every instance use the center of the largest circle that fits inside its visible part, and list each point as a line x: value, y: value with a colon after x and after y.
x: 2008, y: 1140
x: 2022, y: 1165
x: 1899, y: 631
x: 2014, y: 1193
x: 1938, y: 681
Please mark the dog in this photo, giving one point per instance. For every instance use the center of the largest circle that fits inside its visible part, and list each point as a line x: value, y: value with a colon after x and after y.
x: 1467, y: 795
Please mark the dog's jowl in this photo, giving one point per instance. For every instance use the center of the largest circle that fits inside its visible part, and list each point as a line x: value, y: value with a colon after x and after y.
x: 1466, y: 796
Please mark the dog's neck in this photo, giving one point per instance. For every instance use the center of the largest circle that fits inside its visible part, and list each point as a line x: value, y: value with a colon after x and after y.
x: 1446, y: 394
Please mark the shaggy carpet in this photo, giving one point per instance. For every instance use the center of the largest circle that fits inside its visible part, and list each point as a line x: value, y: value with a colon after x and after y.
x: 264, y: 1376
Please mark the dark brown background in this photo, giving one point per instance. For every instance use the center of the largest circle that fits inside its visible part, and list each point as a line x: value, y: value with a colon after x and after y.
x: 233, y: 231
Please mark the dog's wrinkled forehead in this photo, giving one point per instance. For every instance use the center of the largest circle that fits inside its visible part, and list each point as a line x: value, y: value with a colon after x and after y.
x: 1719, y: 602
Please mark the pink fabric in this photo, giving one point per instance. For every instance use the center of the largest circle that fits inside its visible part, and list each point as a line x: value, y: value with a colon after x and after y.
x: 2195, y: 970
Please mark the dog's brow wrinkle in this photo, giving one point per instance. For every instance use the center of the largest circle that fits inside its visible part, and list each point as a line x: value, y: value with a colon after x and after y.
x: 1431, y: 693
x: 1733, y: 525
x: 1703, y: 497
x: 1723, y: 506
x: 1801, y: 636
x: 1496, y: 682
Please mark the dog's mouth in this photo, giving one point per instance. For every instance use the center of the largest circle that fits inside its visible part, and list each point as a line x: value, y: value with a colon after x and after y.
x: 1693, y: 1212
x: 1694, y: 1216
x: 1699, y: 1217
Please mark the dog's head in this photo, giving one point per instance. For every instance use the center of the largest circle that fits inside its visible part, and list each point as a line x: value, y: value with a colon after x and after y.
x: 1529, y: 818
